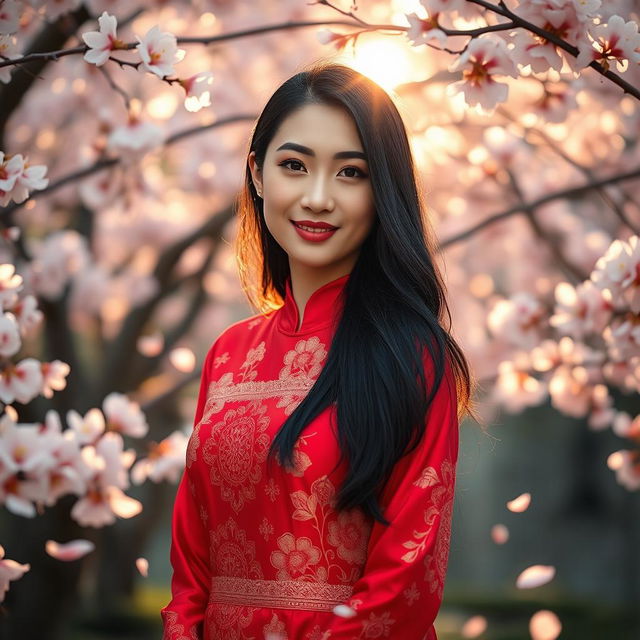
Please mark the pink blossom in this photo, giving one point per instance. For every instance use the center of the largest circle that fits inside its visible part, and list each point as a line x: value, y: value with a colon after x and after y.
x: 625, y: 427
x: 31, y: 178
x: 102, y: 43
x: 9, y: 570
x: 10, y: 342
x: 515, y: 389
x: 124, y: 416
x: 622, y: 338
x: 485, y: 58
x: 422, y: 31
x: 159, y: 52
x: 101, y: 506
x: 9, y: 18
x: 87, y: 429
x: 69, y: 473
x: 27, y: 313
x: 54, y: 376
x: 519, y: 320
x: 10, y: 284
x: 164, y: 461
x: 25, y: 462
x: 570, y: 392
x: 338, y: 40
x: 619, y: 271
x: 136, y: 137
x: 197, y: 91
x: 582, y: 310
x: 10, y: 170
x: 21, y: 382
x: 8, y: 49
x: 617, y: 41
x: 566, y: 19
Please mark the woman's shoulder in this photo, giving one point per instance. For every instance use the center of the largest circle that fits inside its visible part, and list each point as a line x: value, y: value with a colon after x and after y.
x: 241, y: 330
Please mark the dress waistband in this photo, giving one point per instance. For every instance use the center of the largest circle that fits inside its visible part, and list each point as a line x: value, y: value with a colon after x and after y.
x: 278, y: 594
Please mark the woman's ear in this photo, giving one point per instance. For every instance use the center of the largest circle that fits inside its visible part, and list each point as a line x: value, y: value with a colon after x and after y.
x: 256, y: 174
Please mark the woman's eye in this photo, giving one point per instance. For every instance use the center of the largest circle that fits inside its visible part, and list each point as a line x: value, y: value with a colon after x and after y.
x: 292, y: 164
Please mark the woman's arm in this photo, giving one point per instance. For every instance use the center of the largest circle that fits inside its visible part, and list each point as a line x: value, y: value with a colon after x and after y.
x: 183, y: 617
x: 400, y: 591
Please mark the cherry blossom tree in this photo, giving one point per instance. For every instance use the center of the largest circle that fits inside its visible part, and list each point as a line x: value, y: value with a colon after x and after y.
x: 123, y: 129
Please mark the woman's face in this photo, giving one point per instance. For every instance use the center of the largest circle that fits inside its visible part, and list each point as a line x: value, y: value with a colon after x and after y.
x: 303, y: 182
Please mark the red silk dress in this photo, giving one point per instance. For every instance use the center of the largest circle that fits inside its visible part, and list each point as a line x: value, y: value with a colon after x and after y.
x: 259, y: 551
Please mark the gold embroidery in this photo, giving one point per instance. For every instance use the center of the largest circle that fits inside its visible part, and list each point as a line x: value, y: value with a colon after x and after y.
x: 173, y: 630
x: 350, y: 533
x: 232, y: 555
x: 437, y: 517
x: 235, y: 450
x: 278, y: 594
x: 377, y: 626
x: 266, y: 529
x: 275, y: 629
x: 295, y: 557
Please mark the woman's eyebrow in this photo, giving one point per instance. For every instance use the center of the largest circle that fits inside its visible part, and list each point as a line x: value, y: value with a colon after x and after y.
x: 300, y: 148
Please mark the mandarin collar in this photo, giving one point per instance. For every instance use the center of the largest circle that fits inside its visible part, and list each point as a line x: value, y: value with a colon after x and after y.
x: 320, y: 311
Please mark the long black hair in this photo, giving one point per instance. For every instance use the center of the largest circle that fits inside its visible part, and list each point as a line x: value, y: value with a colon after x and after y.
x: 394, y: 299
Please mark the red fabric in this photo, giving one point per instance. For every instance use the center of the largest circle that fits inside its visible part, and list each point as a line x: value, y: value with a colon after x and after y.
x: 258, y: 551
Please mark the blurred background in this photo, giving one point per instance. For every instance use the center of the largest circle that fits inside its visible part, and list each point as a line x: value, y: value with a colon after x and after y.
x: 118, y: 273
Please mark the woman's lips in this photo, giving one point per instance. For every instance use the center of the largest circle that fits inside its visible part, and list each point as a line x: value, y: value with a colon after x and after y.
x: 313, y: 236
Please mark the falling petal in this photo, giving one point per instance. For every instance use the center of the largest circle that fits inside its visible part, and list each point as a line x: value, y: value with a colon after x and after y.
x: 519, y: 504
x: 344, y: 611
x: 142, y: 564
x: 183, y: 359
x: 544, y: 625
x: 499, y: 533
x: 535, y: 576
x: 615, y: 460
x: 474, y: 627
x: 151, y: 345
x: 1, y: 552
x: 69, y: 551
x: 123, y: 505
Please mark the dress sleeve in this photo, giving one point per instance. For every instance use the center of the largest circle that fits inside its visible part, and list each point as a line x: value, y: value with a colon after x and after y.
x: 183, y: 617
x: 400, y: 590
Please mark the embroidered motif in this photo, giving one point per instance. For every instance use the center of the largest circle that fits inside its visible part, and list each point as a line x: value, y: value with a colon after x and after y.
x: 272, y: 489
x: 275, y: 629
x: 377, y: 626
x: 231, y: 555
x: 173, y: 630
x: 235, y: 451
x: 278, y: 594
x: 266, y: 529
x: 411, y: 594
x: 221, y: 359
x: 348, y: 532
x: 301, y: 461
x: 295, y: 557
x: 437, y: 517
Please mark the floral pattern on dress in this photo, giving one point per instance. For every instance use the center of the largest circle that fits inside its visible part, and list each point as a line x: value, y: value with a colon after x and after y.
x: 235, y: 451
x: 347, y: 531
x: 295, y: 557
x: 303, y: 362
x: 231, y: 554
x: 437, y: 516
x: 173, y: 630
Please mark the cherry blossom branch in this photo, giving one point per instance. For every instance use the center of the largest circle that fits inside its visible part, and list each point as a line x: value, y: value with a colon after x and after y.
x: 531, y: 206
x: 539, y: 231
x: 517, y: 21
x: 119, y: 350
x: 6, y: 213
x: 613, y: 205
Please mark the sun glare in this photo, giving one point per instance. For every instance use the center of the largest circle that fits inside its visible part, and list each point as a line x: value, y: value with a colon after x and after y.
x: 384, y: 61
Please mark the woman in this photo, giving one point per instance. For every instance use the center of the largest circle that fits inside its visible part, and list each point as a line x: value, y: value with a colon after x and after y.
x: 318, y: 489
